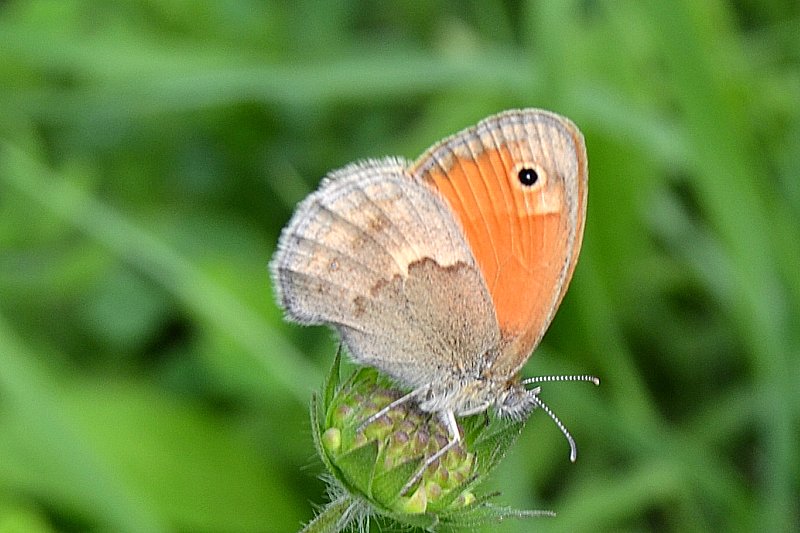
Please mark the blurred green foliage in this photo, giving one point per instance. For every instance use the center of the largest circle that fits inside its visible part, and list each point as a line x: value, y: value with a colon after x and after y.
x: 150, y: 152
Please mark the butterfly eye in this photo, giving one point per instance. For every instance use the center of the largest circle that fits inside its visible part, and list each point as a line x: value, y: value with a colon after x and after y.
x: 528, y: 176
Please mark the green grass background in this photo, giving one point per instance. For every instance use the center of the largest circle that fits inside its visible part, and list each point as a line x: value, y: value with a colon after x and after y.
x: 150, y: 152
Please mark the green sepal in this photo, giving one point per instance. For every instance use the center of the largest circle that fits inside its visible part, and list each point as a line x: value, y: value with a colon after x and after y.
x: 317, y: 435
x: 386, y: 487
x: 484, y: 513
x: 331, y: 517
x: 444, y: 502
x: 332, y: 380
x: 493, y: 443
x: 357, y: 467
x: 426, y: 521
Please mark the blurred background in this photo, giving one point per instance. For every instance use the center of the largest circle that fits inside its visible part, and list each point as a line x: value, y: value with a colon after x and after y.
x: 150, y: 152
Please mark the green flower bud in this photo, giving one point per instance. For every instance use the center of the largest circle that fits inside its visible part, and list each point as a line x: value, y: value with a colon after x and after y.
x: 374, y: 464
x: 378, y: 459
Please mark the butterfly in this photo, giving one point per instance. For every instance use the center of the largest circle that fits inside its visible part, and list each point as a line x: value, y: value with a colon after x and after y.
x: 444, y: 273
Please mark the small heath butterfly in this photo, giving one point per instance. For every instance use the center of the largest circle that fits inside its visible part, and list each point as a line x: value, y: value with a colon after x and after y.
x: 444, y: 273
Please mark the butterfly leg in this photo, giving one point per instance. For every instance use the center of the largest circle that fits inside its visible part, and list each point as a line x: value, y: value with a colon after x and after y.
x: 400, y: 401
x: 449, y: 420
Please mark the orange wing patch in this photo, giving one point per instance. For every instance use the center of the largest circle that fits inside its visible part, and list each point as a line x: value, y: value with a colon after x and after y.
x: 525, y: 238
x: 513, y: 234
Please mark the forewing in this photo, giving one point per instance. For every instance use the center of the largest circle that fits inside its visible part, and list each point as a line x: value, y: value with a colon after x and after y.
x: 525, y: 238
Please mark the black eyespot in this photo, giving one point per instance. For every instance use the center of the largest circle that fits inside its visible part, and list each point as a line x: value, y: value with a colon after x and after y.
x: 528, y: 176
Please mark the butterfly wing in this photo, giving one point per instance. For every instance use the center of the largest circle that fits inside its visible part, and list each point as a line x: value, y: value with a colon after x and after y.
x: 525, y: 236
x: 378, y: 255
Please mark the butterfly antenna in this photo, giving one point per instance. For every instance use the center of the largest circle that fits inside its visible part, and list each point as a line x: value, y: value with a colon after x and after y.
x: 545, y: 379
x: 573, y: 450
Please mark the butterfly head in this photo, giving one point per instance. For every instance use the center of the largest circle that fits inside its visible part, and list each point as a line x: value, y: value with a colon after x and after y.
x: 515, y: 401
